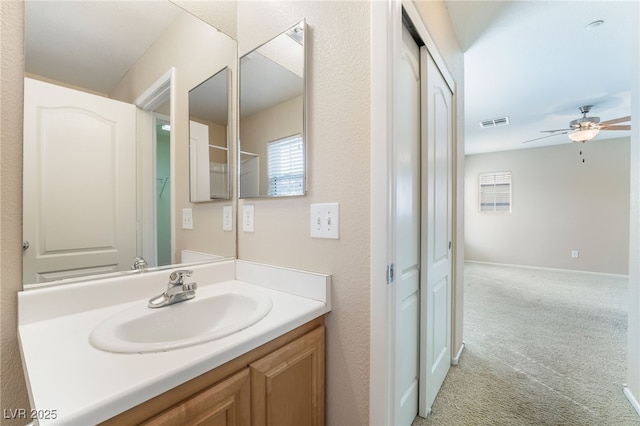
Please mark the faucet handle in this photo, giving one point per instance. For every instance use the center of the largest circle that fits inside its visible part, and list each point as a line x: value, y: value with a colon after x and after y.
x: 189, y: 287
x: 177, y: 277
x: 139, y: 263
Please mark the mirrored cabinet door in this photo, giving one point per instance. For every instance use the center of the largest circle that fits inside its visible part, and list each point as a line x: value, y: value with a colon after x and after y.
x: 272, y: 141
x: 209, y: 139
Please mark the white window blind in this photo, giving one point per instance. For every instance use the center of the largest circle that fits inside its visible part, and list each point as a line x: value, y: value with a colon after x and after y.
x: 495, y: 192
x: 285, y: 166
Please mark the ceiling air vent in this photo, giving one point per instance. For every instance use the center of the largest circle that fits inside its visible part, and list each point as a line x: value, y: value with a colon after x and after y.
x: 503, y: 121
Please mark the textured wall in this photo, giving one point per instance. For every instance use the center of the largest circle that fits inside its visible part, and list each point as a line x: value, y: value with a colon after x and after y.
x: 559, y: 204
x: 339, y: 167
x: 13, y: 393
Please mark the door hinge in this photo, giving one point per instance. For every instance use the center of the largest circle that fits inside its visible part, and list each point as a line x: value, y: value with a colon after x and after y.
x: 389, y: 273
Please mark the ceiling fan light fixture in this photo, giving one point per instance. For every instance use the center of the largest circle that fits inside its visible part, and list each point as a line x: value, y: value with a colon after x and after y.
x: 583, y: 135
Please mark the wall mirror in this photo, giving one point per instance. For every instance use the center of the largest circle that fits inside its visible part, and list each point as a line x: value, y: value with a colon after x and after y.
x: 209, y: 139
x: 272, y: 141
x: 118, y: 52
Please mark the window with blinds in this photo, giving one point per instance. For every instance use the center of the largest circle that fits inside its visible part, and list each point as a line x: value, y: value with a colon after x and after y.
x: 495, y: 192
x: 285, y: 166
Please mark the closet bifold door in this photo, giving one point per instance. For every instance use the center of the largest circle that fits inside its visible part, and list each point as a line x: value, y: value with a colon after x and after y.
x: 287, y: 386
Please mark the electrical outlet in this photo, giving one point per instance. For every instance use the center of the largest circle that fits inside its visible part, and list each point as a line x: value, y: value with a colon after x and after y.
x: 187, y: 219
x: 325, y: 220
x: 248, y: 218
x: 575, y: 254
x: 227, y: 218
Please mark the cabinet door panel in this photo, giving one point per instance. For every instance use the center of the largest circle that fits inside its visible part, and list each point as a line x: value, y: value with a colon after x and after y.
x: 225, y: 404
x: 288, y: 384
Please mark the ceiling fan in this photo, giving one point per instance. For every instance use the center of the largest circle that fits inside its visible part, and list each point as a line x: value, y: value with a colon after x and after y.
x: 586, y: 128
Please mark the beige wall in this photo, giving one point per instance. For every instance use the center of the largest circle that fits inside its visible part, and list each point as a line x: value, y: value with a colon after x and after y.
x: 559, y: 204
x: 197, y: 51
x: 13, y: 394
x: 339, y: 166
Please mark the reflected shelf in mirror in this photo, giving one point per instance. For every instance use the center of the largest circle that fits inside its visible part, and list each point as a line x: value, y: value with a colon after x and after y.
x: 209, y: 105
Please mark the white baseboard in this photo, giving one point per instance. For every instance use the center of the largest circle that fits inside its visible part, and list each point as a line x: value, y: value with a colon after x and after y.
x: 632, y: 399
x: 456, y: 359
x: 606, y: 274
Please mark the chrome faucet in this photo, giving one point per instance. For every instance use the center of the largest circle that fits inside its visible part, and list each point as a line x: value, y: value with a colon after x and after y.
x: 177, y: 290
x: 139, y: 264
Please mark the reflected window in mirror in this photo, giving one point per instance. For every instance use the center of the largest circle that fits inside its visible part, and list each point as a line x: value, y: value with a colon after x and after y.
x: 209, y: 139
x: 285, y: 166
x: 272, y: 141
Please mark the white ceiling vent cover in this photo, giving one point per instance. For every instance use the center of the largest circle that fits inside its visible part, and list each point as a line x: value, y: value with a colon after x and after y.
x: 502, y: 121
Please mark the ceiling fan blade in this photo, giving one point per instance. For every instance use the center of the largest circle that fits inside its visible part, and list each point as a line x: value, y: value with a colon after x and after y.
x: 616, y: 120
x: 548, y: 136
x: 554, y: 131
x: 618, y: 127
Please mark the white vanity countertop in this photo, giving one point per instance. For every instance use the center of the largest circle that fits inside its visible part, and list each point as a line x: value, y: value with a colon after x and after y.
x: 78, y: 384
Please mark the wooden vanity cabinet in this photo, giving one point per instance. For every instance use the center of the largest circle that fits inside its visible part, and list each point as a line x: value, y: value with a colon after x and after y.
x: 287, y: 386
x: 226, y: 404
x: 279, y: 383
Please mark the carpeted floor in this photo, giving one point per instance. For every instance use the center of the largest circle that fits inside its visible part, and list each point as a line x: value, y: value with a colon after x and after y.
x: 541, y: 348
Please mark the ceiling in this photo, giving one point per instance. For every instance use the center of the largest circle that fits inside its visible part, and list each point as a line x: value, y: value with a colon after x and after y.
x: 91, y: 44
x: 531, y: 61
x: 536, y: 63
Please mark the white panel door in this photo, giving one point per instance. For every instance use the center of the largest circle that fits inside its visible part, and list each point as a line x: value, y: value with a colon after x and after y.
x: 437, y: 143
x: 79, y: 183
x: 407, y: 216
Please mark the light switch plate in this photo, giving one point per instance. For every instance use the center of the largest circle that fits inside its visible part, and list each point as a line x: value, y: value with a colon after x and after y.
x: 325, y: 220
x: 187, y: 219
x: 227, y: 218
x: 248, y: 218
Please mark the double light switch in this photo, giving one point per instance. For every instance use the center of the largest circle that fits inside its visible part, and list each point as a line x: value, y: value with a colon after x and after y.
x: 325, y: 220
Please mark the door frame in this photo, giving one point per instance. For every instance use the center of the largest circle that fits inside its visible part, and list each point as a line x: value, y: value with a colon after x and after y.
x: 386, y: 38
x: 163, y: 89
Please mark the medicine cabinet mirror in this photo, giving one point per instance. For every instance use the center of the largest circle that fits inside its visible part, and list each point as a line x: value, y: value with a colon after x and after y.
x: 272, y: 139
x: 209, y: 139
x: 120, y: 52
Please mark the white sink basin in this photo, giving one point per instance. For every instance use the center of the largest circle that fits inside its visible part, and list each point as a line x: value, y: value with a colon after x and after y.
x: 206, y: 317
